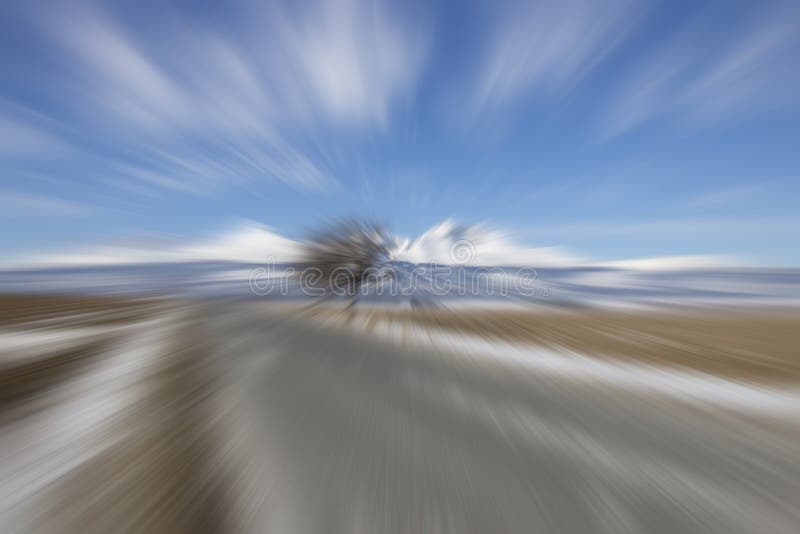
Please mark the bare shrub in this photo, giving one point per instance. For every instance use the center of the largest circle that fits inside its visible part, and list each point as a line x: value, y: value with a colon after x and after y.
x: 346, y: 255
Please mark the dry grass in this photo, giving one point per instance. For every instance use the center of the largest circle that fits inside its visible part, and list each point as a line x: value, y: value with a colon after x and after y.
x: 750, y: 345
x: 756, y: 345
x: 72, y: 310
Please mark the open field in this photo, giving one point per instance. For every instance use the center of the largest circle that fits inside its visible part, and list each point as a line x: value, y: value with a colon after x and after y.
x: 164, y: 415
x: 751, y: 345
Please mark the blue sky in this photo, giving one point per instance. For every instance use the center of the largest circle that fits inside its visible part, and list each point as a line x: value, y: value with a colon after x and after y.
x: 615, y: 129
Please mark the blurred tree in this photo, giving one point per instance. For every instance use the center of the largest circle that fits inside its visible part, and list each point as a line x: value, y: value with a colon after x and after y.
x: 345, y: 256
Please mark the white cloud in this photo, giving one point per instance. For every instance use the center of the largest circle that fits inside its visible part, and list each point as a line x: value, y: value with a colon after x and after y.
x: 700, y: 81
x: 669, y: 263
x: 549, y: 46
x: 445, y: 243
x: 251, y: 243
x: 193, y: 111
x: 121, y: 75
x: 448, y: 243
x: 201, y: 106
x: 327, y: 60
x: 351, y: 59
x: 248, y: 243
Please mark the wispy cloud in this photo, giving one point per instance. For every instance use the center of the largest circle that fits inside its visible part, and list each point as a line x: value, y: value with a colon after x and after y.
x: 23, y: 137
x: 350, y: 60
x: 698, y: 78
x: 549, y: 47
x: 345, y: 61
x: 18, y: 204
x: 190, y: 104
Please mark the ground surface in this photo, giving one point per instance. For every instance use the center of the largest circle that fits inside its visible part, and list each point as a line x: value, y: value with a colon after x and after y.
x: 159, y: 416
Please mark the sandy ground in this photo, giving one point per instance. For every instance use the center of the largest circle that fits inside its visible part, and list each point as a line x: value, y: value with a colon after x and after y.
x: 122, y: 415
